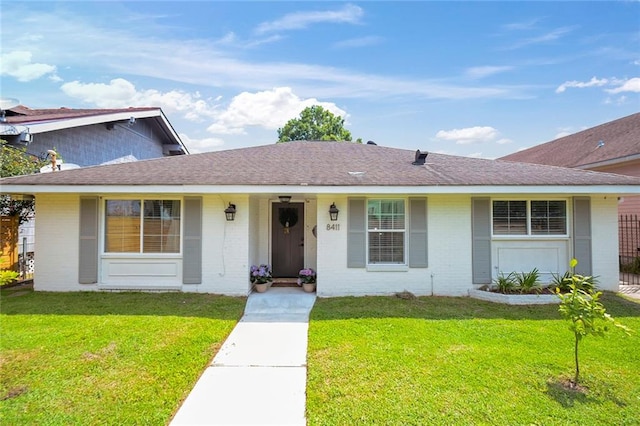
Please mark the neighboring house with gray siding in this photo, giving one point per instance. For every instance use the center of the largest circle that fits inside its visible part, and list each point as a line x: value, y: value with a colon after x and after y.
x: 439, y: 225
x: 88, y: 137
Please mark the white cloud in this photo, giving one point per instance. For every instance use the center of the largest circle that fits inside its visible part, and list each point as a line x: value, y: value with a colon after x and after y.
x: 486, y: 71
x: 468, y: 135
x: 561, y: 135
x: 504, y: 141
x: 349, y: 14
x: 120, y: 93
x: 18, y: 64
x: 358, y: 42
x: 270, y: 109
x: 594, y: 82
x: 216, y: 63
x: 519, y: 26
x: 631, y: 85
x: 201, y: 145
x: 544, y: 38
x: 565, y: 131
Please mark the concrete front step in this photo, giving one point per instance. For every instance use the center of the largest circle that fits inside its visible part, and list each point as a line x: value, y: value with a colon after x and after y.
x: 284, y: 300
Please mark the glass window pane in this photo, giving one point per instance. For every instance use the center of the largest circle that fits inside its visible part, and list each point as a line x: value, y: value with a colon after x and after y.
x: 548, y: 217
x: 386, y: 215
x: 122, y: 226
x: 161, y: 226
x: 386, y: 247
x: 510, y: 217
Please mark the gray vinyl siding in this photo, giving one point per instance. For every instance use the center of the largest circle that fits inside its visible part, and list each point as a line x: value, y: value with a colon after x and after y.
x: 95, y: 144
x: 192, y: 241
x: 582, y: 234
x: 481, y: 240
x: 88, y: 256
x: 418, y: 250
x: 356, y: 233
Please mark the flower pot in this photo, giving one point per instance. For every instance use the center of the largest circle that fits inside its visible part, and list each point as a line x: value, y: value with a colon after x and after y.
x: 261, y: 287
x: 309, y: 287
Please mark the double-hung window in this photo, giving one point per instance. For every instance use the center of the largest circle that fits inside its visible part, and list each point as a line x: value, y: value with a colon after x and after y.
x: 142, y: 226
x: 386, y: 231
x: 530, y: 217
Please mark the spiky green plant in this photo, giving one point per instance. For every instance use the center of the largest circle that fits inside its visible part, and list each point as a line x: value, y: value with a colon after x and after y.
x: 528, y: 282
x: 505, y: 283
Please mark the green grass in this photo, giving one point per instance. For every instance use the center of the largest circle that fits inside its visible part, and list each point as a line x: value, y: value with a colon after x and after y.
x: 106, y: 358
x: 131, y: 358
x: 389, y: 361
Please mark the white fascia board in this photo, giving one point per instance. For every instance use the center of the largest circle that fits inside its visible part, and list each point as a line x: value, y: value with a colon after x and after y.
x: 67, y: 123
x: 172, y: 131
x: 294, y: 190
x: 610, y: 162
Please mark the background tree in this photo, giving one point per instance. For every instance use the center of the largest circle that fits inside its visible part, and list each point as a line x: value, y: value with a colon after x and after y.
x: 16, y: 162
x: 314, y: 124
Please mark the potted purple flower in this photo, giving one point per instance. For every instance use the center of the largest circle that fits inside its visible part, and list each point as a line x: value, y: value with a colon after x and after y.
x: 260, y: 276
x: 307, y: 279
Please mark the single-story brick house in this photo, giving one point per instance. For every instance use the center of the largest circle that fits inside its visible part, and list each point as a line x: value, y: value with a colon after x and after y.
x: 428, y: 224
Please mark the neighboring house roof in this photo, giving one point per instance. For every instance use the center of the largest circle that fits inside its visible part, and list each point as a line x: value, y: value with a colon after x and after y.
x: 21, y: 118
x: 609, y: 143
x: 305, y: 164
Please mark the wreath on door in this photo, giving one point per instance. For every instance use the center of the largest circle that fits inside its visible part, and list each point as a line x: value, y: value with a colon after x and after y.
x: 288, y: 218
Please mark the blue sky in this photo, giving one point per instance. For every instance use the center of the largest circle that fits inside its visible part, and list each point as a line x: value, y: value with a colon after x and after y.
x: 477, y: 78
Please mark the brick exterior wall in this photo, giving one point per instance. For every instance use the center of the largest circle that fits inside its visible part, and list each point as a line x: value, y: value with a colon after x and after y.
x: 229, y: 248
x: 627, y: 205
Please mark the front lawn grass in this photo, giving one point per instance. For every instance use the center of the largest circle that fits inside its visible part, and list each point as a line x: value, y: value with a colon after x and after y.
x: 106, y: 358
x: 437, y: 360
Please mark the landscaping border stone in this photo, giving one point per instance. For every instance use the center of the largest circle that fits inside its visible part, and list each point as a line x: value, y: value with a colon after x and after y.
x: 514, y: 299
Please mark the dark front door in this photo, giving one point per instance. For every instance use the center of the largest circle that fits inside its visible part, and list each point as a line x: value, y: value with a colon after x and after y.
x: 287, y: 239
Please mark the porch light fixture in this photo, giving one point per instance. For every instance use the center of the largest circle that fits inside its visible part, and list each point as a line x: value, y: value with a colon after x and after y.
x: 333, y: 211
x: 285, y: 198
x: 230, y: 212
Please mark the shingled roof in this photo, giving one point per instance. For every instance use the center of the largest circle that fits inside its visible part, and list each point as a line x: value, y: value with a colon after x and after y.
x: 616, y: 140
x: 321, y: 164
x: 22, y: 114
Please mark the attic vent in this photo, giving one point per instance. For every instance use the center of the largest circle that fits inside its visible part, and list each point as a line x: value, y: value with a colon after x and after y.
x: 600, y: 144
x: 420, y: 158
x: 371, y: 143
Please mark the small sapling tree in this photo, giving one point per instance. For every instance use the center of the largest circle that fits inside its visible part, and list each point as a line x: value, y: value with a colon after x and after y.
x: 586, y: 315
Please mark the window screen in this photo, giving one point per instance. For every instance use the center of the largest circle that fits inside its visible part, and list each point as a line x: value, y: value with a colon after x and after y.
x: 510, y: 217
x: 386, y: 231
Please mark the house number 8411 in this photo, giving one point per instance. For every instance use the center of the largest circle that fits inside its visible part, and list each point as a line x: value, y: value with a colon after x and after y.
x: 333, y: 226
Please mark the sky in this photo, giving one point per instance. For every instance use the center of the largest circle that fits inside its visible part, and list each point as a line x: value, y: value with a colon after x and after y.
x: 479, y: 79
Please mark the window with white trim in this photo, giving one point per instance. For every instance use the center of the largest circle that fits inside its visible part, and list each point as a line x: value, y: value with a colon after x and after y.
x: 386, y: 231
x: 142, y: 226
x: 529, y: 217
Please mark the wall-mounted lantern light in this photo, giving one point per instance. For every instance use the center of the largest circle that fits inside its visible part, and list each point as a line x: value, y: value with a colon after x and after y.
x: 285, y: 198
x: 230, y: 212
x: 333, y: 211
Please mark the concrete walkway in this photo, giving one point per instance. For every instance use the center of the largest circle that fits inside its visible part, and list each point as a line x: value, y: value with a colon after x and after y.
x: 632, y: 291
x: 259, y: 375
